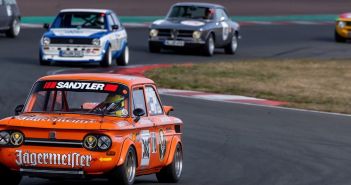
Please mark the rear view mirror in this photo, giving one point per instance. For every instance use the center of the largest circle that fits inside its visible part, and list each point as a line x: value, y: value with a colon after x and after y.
x: 18, y: 109
x: 168, y: 109
x: 138, y: 113
x: 46, y: 26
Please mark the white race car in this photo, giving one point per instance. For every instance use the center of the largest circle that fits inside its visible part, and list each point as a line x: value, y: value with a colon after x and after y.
x: 85, y: 35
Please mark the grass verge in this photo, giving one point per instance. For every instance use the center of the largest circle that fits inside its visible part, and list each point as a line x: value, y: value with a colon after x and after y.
x: 307, y: 84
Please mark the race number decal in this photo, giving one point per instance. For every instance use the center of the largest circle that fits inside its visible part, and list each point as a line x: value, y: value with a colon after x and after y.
x: 145, y: 147
x: 226, y: 30
x: 9, y: 11
x: 153, y: 142
x: 162, y: 144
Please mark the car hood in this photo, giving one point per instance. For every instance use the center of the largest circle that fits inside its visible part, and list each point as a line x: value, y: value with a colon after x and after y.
x: 186, y: 24
x: 91, y: 33
x: 70, y: 122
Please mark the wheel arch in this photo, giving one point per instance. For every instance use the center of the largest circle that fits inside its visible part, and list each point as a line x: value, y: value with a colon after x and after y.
x: 128, y: 143
x: 175, y: 141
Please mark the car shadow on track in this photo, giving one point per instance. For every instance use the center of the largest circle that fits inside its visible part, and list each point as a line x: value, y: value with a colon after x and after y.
x: 91, y: 182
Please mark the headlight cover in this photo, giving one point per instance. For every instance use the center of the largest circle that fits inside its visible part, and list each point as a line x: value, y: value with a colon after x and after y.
x: 341, y: 24
x: 153, y: 33
x: 90, y: 142
x: 46, y: 40
x: 104, y: 143
x: 16, y: 138
x: 96, y: 42
x: 197, y: 34
x: 4, y: 138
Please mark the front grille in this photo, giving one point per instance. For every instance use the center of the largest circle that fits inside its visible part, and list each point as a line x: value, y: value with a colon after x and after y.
x: 175, y: 33
x: 83, y: 41
x: 53, y: 143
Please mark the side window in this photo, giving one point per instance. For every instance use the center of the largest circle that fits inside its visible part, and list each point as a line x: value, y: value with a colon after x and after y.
x: 153, y: 101
x: 0, y: 2
x: 110, y: 22
x: 138, y: 99
x: 115, y: 18
x: 10, y: 2
x: 221, y: 13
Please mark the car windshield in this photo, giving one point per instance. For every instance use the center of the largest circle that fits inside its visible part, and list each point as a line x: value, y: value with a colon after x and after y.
x: 80, y: 20
x: 79, y: 97
x: 191, y: 12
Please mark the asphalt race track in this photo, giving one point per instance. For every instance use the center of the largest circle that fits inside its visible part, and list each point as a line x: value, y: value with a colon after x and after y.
x: 230, y: 144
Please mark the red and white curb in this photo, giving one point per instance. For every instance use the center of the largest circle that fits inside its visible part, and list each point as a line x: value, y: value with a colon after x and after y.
x: 219, y: 97
x: 244, y: 23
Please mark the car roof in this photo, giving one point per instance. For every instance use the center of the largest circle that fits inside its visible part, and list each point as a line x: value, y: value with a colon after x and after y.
x: 100, y: 77
x: 86, y: 10
x: 210, y: 5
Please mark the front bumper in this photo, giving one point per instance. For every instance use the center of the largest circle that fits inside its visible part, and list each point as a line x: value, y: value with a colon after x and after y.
x: 90, y: 53
x: 57, y: 161
x: 188, y: 42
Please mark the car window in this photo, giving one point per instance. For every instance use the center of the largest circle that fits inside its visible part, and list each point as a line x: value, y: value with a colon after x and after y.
x: 139, y: 99
x: 191, y: 12
x: 110, y: 22
x: 115, y: 19
x: 221, y: 13
x: 80, y: 20
x: 10, y: 2
x: 153, y: 102
x: 0, y: 2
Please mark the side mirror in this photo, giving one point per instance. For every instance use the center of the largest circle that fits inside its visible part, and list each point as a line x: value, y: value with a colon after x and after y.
x: 46, y: 26
x: 18, y: 109
x: 115, y: 27
x: 138, y: 113
x: 222, y: 19
x: 168, y: 109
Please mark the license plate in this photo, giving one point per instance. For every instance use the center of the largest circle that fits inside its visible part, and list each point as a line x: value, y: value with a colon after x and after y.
x: 174, y: 43
x: 71, y: 54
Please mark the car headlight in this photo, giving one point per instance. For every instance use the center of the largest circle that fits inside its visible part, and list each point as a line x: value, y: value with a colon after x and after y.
x: 16, y: 138
x: 46, y: 41
x: 90, y: 142
x: 341, y: 24
x: 104, y: 143
x: 96, y: 42
x: 4, y: 138
x: 153, y: 33
x: 197, y: 34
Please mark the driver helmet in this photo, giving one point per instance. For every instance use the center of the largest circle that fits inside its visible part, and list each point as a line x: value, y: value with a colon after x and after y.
x: 121, y: 111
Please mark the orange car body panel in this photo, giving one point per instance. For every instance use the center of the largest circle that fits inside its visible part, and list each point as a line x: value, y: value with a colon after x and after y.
x: 125, y: 133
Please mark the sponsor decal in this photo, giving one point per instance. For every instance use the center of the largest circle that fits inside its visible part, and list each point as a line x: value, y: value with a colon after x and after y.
x: 90, y: 142
x: 165, y: 119
x: 193, y: 23
x: 153, y: 142
x: 145, y: 146
x: 226, y: 30
x: 81, y: 86
x: 72, y: 160
x: 144, y: 121
x: 46, y: 119
x: 16, y: 139
x: 162, y: 144
x: 9, y: 10
x: 122, y: 123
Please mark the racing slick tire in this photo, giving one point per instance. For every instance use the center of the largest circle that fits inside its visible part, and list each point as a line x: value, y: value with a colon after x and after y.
x: 43, y: 62
x: 209, y: 48
x: 172, y: 172
x: 232, y: 46
x: 107, y: 59
x: 125, y: 173
x: 8, y: 177
x: 339, y: 38
x: 123, y: 60
x: 154, y: 48
x: 15, y: 29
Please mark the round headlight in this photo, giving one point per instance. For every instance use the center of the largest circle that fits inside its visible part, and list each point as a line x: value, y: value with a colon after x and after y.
x: 90, y: 142
x: 46, y: 41
x: 341, y: 24
x: 197, y: 34
x: 104, y: 143
x: 16, y: 138
x: 4, y: 138
x: 153, y: 33
x: 96, y: 42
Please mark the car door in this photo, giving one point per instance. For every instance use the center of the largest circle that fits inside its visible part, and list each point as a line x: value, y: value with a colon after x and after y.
x: 3, y: 14
x: 113, y: 33
x: 224, y: 30
x: 145, y: 129
x: 121, y: 32
x: 162, y: 125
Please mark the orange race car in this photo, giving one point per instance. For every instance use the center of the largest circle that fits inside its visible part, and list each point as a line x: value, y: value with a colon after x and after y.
x: 343, y: 27
x: 91, y: 125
